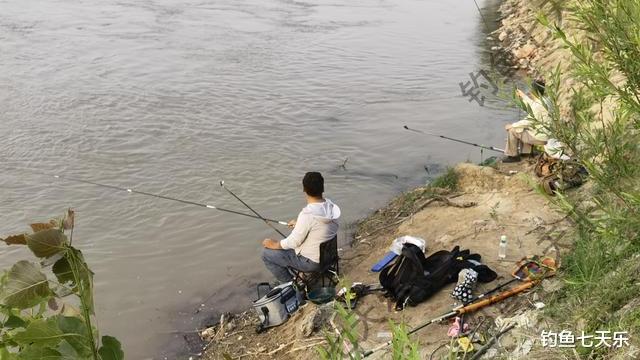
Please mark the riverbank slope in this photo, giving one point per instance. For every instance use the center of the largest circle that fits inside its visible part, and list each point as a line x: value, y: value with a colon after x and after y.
x: 474, y: 208
x: 485, y: 204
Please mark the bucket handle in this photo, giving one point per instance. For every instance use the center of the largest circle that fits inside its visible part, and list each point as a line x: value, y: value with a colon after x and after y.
x: 265, y: 322
x: 261, y: 285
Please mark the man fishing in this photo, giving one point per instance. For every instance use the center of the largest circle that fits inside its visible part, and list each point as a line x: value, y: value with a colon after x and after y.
x: 316, y: 223
x: 528, y: 132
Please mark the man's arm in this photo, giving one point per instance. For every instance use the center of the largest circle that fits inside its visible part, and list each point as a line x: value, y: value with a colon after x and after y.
x: 299, y: 233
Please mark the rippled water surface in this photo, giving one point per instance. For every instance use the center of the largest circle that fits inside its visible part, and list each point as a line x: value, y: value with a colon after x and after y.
x: 171, y: 96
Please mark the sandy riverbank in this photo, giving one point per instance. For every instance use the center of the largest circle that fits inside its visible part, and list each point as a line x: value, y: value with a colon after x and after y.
x: 486, y: 204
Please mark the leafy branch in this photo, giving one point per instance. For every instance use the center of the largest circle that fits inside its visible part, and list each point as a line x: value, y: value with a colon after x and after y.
x: 34, y: 326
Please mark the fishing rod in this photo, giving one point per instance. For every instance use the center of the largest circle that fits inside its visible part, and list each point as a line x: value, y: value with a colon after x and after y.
x: 531, y: 271
x: 462, y: 310
x: 452, y: 139
x: 250, y: 208
x: 133, y: 191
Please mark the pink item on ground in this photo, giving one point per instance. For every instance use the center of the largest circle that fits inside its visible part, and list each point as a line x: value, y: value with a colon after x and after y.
x: 454, y: 329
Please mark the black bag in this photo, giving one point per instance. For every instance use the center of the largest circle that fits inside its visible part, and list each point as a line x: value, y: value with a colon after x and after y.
x: 412, y: 278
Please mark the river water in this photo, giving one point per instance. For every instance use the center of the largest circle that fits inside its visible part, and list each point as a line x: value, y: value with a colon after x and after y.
x: 172, y: 96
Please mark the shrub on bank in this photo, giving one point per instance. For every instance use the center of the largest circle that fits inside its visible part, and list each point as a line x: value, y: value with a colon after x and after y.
x: 46, y: 307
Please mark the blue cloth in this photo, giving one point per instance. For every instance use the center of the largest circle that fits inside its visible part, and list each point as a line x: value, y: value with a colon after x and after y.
x: 277, y: 261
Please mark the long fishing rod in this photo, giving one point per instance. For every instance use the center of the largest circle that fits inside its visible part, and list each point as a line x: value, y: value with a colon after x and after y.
x: 133, y: 191
x: 460, y: 311
x: 530, y: 272
x: 250, y: 208
x: 457, y: 140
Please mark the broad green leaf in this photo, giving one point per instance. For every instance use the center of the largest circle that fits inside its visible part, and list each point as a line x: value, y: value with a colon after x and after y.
x: 67, y: 350
x: 110, y: 349
x: 16, y: 240
x: 69, y: 353
x: 76, y: 334
x: 14, y: 322
x: 44, y: 332
x: 25, y: 287
x: 39, y: 352
x: 5, y: 354
x: 46, y: 243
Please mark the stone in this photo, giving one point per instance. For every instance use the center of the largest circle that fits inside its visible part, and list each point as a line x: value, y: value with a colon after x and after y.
x: 523, y: 349
x: 628, y: 308
x: 509, y: 341
x: 524, y: 52
x: 231, y: 325
x: 551, y: 285
x: 207, y: 334
x: 309, y: 323
x: 502, y: 36
x: 490, y: 354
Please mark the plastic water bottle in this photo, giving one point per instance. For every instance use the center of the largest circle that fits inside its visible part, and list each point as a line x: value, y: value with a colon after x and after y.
x: 502, y: 250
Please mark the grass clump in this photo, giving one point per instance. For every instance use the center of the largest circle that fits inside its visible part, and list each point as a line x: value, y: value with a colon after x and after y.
x: 403, y: 348
x: 448, y: 180
x: 344, y: 342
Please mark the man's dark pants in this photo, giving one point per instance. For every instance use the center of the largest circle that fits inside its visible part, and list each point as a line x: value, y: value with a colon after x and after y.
x: 277, y: 261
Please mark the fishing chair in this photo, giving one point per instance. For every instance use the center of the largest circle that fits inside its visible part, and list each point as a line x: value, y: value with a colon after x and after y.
x: 329, y: 268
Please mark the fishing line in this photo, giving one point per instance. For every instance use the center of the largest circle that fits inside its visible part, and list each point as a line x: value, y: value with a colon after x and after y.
x: 188, y: 202
x: 486, y: 25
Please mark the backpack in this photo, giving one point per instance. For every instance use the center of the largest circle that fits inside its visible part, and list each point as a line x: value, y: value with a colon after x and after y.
x: 411, y: 278
x: 545, y: 165
x: 566, y: 174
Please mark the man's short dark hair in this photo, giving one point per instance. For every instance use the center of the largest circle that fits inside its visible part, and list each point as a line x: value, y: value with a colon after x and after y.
x: 538, y: 86
x: 313, y: 184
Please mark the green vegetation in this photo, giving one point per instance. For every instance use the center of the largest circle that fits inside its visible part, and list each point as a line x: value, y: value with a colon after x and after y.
x: 38, y: 322
x: 448, y: 180
x: 403, y: 348
x: 602, y: 131
x: 345, y: 342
